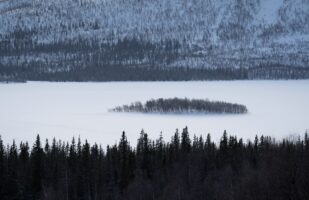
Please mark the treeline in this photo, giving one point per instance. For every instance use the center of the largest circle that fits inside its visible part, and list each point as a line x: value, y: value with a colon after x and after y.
x: 126, y: 59
x: 118, y: 73
x: 154, y: 169
x: 37, y: 71
x: 277, y: 71
x: 178, y: 105
x: 111, y: 51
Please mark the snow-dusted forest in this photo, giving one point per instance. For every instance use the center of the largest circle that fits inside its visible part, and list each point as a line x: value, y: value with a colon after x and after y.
x: 105, y: 40
x: 69, y: 70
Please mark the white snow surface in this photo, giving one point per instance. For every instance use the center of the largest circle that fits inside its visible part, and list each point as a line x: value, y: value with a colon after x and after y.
x: 63, y: 110
x: 269, y: 11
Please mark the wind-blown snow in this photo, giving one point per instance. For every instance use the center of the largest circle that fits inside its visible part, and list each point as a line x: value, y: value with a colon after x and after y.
x: 269, y: 11
x: 64, y: 110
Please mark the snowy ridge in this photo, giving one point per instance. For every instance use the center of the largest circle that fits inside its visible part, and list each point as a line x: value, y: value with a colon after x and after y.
x: 195, y: 20
x: 211, y: 33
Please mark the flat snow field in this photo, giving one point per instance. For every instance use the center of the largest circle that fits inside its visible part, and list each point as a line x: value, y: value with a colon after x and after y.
x: 64, y: 110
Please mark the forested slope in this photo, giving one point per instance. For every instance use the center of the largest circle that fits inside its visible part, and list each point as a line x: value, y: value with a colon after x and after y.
x: 153, y: 40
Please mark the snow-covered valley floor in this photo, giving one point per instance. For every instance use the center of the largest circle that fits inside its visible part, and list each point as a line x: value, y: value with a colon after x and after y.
x: 64, y: 110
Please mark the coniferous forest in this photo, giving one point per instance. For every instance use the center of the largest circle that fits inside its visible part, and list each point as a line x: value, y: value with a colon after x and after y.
x: 154, y: 40
x: 162, y: 40
x: 182, y: 168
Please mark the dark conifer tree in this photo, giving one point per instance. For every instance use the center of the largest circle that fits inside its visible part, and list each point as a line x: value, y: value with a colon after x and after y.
x: 2, y: 169
x: 72, y: 170
x: 47, y: 147
x: 160, y: 152
x: 86, y: 170
x: 37, y: 169
x: 185, y: 141
x: 208, y: 143
x: 306, y: 138
x: 146, y: 156
x: 25, y: 172
x: 175, y: 146
x: 124, y: 161
x: 223, y: 150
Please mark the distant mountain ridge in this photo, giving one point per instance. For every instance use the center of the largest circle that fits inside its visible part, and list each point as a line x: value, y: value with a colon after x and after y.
x: 195, y: 20
x: 165, y: 34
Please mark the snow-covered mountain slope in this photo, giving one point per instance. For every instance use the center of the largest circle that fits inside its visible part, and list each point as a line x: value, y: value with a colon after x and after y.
x: 211, y: 33
x: 196, y: 20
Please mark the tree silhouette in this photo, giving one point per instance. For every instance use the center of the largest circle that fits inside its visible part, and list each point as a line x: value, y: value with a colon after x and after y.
x: 156, y: 169
x: 37, y: 168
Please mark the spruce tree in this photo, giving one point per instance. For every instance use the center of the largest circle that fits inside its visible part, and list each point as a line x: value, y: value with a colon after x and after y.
x: 185, y: 141
x: 2, y: 165
x: 37, y: 169
x: 223, y: 156
x: 306, y: 139
x: 124, y: 158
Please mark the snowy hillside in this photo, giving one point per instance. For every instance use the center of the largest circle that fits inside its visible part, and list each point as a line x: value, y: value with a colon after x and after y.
x: 194, y: 34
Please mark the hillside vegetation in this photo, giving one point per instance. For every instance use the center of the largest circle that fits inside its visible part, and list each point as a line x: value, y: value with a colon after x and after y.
x: 103, y: 40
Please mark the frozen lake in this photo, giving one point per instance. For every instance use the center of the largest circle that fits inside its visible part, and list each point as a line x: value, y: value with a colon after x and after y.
x: 64, y: 110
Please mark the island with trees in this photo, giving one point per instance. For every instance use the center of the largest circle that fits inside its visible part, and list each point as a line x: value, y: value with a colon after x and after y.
x: 183, y: 106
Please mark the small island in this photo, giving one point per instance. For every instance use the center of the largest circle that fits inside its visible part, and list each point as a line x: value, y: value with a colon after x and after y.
x: 183, y: 106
